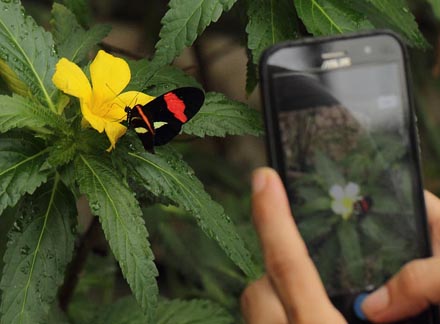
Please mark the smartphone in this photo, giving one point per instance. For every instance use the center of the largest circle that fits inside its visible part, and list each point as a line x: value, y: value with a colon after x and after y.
x: 340, y: 129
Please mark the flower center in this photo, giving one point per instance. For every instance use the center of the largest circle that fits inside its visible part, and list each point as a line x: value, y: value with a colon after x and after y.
x: 347, y: 203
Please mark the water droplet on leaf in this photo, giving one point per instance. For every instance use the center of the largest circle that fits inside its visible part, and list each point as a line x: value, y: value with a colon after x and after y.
x: 17, y: 227
x: 95, y: 206
x: 25, y: 250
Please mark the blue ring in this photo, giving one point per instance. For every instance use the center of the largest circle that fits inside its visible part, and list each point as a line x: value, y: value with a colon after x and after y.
x: 357, y: 306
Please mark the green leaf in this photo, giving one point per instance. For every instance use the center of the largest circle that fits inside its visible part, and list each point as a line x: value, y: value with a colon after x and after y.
x: 192, y: 312
x: 62, y: 152
x: 183, y: 22
x: 121, y: 218
x: 123, y: 311
x: 327, y: 170
x: 20, y: 163
x: 40, y: 247
x: 21, y: 112
x: 166, y: 174
x: 28, y: 50
x: 149, y: 77
x: 12, y: 81
x: 81, y: 10
x: 73, y: 42
x: 126, y: 311
x: 351, y: 251
x: 327, y: 17
x: 435, y: 7
x: 324, y: 258
x: 316, y: 205
x: 316, y: 227
x: 221, y: 116
x: 269, y: 22
x: 8, y: 217
x: 56, y: 316
x: 395, y: 14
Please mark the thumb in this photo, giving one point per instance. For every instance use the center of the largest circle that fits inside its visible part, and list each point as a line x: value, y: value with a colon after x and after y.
x: 407, y: 294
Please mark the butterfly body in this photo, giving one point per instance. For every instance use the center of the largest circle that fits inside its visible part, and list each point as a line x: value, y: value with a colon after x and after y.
x: 160, y: 120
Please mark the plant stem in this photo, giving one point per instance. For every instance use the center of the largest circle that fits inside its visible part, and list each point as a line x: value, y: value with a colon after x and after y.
x: 77, y: 265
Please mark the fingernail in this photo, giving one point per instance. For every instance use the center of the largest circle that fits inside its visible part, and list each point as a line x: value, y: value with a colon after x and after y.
x: 258, y: 180
x: 357, y: 306
x: 376, y: 302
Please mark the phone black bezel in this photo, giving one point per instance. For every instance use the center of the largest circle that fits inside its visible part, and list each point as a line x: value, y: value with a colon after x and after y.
x: 273, y: 143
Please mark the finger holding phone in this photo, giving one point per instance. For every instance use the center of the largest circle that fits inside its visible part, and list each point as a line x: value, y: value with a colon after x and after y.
x: 292, y: 286
x: 341, y: 133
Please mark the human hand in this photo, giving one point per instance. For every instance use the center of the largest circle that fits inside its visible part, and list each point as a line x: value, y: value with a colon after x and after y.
x: 291, y: 291
x: 416, y: 285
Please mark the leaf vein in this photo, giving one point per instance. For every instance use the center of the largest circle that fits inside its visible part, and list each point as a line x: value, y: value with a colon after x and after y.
x: 30, y: 63
x: 37, y: 248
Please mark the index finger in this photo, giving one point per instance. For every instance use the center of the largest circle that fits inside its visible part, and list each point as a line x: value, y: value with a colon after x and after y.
x: 288, y: 264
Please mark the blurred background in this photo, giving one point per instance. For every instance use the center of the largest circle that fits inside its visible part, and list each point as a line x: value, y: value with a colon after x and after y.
x: 190, y: 265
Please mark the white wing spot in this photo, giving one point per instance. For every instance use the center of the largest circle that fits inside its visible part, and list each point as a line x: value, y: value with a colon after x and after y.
x: 159, y: 124
x: 141, y: 130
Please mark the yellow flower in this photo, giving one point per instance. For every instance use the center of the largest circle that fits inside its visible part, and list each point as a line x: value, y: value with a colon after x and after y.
x: 102, y: 103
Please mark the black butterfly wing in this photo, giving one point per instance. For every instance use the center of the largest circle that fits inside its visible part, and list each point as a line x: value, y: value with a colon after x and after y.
x: 140, y: 121
x: 171, y: 110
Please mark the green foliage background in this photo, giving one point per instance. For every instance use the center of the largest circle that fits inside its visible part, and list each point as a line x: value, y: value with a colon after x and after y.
x: 48, y: 162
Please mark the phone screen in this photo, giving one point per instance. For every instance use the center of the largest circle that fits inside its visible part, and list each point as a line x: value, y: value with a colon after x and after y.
x: 350, y: 171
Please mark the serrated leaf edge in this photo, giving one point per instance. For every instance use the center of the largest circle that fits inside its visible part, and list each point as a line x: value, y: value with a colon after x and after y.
x: 30, y: 64
x: 119, y: 218
x: 105, y: 190
x: 46, y: 217
x: 23, y: 161
x: 321, y: 9
x: 190, y: 192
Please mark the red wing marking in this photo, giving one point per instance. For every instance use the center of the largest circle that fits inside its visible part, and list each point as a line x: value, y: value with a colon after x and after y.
x: 144, y: 118
x: 176, y: 106
x: 365, y: 205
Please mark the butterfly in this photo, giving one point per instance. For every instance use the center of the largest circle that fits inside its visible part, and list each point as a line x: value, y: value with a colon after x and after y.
x: 160, y: 120
x: 362, y: 205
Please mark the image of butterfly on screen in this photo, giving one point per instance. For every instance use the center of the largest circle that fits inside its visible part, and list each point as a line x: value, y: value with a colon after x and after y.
x: 362, y: 205
x: 160, y: 120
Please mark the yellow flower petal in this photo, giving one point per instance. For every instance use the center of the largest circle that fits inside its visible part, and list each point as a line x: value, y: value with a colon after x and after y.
x: 102, y: 105
x: 132, y: 98
x: 110, y: 75
x: 114, y: 112
x: 97, y: 122
x: 114, y: 131
x: 70, y: 79
x: 116, y: 107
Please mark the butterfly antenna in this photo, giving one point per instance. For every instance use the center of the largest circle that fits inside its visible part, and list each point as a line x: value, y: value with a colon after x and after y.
x: 133, y: 101
x: 115, y: 103
x: 116, y: 95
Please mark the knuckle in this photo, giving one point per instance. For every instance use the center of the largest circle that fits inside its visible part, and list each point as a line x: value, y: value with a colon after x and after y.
x: 283, y: 265
x: 247, y: 294
x: 258, y: 307
x: 410, y: 277
x: 279, y: 267
x: 244, y: 299
x: 434, y: 222
x: 434, y: 226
